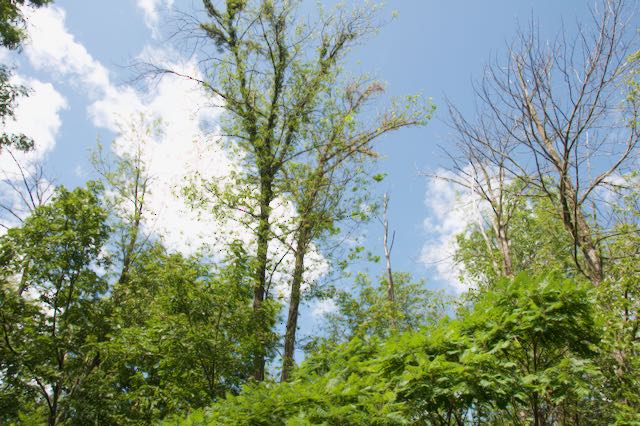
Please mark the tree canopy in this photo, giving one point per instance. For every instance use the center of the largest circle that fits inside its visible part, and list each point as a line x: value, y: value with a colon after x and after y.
x: 103, y: 322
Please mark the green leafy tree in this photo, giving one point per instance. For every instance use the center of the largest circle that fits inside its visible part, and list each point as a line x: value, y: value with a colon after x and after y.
x: 537, y: 241
x: 365, y: 310
x: 328, y: 184
x: 52, y: 307
x: 274, y: 71
x: 619, y: 301
x: 9, y: 94
x: 180, y: 337
x: 12, y: 31
x: 524, y: 354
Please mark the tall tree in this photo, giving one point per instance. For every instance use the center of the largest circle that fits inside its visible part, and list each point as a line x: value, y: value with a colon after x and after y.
x: 269, y: 69
x: 326, y: 183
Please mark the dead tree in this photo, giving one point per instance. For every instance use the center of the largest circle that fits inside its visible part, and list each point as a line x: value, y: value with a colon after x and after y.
x: 564, y: 122
x: 388, y: 246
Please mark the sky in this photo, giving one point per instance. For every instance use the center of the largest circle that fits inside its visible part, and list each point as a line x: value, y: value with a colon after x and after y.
x: 78, y: 64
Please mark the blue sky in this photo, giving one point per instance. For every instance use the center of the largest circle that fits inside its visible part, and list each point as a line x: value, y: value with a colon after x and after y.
x: 79, y: 58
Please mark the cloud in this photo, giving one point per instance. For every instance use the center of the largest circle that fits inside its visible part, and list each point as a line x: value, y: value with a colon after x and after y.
x: 52, y: 48
x: 37, y: 116
x: 151, y: 11
x: 451, y: 209
x: 322, y: 307
x: 182, y: 147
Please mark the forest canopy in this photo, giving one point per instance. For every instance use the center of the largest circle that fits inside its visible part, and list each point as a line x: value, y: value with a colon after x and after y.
x: 105, y: 321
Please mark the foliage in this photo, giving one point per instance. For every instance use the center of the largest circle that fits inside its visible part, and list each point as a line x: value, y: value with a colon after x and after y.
x: 181, y: 339
x: 293, y: 123
x: 102, y: 324
x: 9, y: 93
x: 364, y: 311
x: 524, y: 351
x: 538, y: 243
x: 12, y: 34
x: 619, y: 301
x: 52, y: 307
x: 77, y: 349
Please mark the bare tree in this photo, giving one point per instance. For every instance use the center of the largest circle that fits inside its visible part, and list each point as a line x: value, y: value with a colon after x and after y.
x: 556, y: 117
x: 388, y: 247
x: 480, y: 166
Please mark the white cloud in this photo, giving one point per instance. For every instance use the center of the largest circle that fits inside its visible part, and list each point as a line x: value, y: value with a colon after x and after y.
x: 151, y: 11
x: 52, y: 48
x: 322, y: 307
x: 182, y: 147
x: 37, y: 116
x: 451, y: 209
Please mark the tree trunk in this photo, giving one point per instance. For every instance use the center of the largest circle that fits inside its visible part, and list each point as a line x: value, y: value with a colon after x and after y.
x: 589, y: 249
x: 128, y: 252
x: 53, y: 409
x: 571, y: 211
x: 579, y: 228
x: 264, y: 230
x: 388, y: 246
x: 505, y: 250
x: 294, y: 303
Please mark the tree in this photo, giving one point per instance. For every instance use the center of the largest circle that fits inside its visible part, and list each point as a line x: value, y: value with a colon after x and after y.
x: 481, y: 168
x: 328, y: 183
x: 554, y: 117
x: 561, y: 119
x: 619, y: 301
x: 270, y: 73
x: 181, y: 339
x: 128, y: 179
x: 536, y: 240
x: 365, y: 310
x: 52, y: 310
x: 9, y: 93
x: 12, y: 32
x: 388, y: 247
